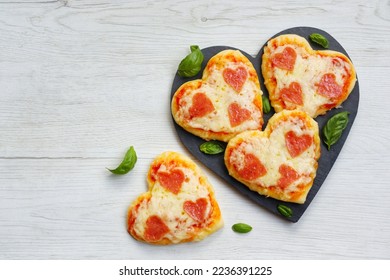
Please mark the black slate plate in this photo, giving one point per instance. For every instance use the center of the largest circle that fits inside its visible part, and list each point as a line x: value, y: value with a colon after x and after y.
x: 327, y: 159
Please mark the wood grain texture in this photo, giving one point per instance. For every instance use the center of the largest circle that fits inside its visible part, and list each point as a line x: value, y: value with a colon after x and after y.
x: 81, y: 81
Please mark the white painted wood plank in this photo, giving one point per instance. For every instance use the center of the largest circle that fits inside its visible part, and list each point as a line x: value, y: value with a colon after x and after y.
x: 81, y: 81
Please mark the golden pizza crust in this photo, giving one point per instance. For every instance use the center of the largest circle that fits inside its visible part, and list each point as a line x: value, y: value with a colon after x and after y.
x: 174, y: 214
x: 216, y: 125
x: 253, y: 142
x: 304, y: 50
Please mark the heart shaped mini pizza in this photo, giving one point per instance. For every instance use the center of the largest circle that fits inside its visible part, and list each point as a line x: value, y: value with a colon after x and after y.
x: 279, y: 162
x: 180, y: 205
x: 225, y: 102
x: 298, y: 77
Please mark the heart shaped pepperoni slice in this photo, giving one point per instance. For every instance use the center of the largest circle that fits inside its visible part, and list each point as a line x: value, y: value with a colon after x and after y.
x: 237, y: 114
x: 296, y: 145
x: 288, y: 176
x: 155, y: 229
x: 253, y: 168
x: 235, y: 78
x: 286, y: 59
x: 292, y: 94
x: 329, y: 87
x: 172, y: 180
x: 201, y: 106
x: 197, y: 209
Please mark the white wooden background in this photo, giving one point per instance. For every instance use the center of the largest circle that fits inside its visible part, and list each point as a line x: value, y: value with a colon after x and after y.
x: 81, y: 81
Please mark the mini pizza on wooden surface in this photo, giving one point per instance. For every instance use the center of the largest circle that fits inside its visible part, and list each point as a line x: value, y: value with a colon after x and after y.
x: 226, y: 101
x: 298, y: 77
x: 180, y: 205
x: 279, y: 162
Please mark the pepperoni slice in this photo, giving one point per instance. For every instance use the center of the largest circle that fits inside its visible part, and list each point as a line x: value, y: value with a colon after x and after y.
x: 237, y: 114
x: 172, y: 180
x: 201, y: 105
x: 197, y: 209
x: 296, y: 145
x: 235, y: 78
x: 253, y: 168
x: 292, y: 94
x: 155, y: 229
x: 329, y: 87
x: 286, y: 59
x: 288, y: 176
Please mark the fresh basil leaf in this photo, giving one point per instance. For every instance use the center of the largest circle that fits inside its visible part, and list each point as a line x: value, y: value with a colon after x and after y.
x: 241, y: 228
x: 191, y: 64
x: 194, y: 48
x: 127, y: 163
x: 211, y: 148
x: 334, y: 128
x: 319, y: 39
x: 266, y: 105
x: 285, y: 210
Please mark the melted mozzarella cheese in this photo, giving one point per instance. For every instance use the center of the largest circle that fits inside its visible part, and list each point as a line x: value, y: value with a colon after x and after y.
x: 222, y: 95
x: 169, y: 206
x: 308, y: 71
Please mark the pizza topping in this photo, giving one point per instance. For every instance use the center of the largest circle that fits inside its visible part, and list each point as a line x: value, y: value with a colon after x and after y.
x: 235, y: 78
x: 172, y: 180
x: 155, y: 229
x: 237, y: 114
x: 253, y: 168
x: 201, y: 105
x: 329, y: 87
x: 288, y: 176
x: 286, y: 59
x: 292, y: 93
x: 296, y: 145
x: 196, y: 210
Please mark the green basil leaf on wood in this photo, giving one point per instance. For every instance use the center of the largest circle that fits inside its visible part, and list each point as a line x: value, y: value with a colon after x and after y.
x: 241, y: 228
x: 319, y: 39
x: 191, y: 64
x: 127, y: 163
x: 211, y: 148
x: 334, y: 128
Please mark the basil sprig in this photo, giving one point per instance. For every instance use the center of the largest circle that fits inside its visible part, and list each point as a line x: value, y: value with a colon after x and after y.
x: 319, y: 39
x: 334, y: 128
x: 241, y: 228
x: 266, y: 105
x: 211, y: 148
x: 127, y: 163
x: 191, y: 64
x: 285, y: 210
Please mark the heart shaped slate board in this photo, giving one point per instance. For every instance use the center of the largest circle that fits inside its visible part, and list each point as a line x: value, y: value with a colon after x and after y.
x: 328, y: 157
